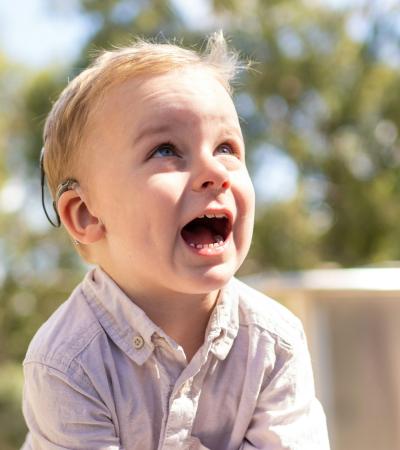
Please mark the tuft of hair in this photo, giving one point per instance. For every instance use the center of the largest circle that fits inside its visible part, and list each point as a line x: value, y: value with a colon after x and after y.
x: 225, y: 61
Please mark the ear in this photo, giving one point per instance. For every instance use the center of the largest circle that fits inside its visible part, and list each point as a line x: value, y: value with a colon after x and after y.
x: 80, y: 223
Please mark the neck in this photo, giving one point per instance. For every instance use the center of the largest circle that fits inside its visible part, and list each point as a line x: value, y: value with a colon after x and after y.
x: 173, y: 311
x: 183, y: 317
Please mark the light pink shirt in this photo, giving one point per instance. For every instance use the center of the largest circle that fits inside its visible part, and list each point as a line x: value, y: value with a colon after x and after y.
x: 99, y: 374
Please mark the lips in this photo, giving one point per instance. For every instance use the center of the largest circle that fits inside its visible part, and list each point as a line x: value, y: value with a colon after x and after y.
x: 209, y: 230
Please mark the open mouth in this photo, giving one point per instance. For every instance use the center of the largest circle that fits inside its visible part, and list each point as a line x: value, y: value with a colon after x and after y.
x: 207, y: 231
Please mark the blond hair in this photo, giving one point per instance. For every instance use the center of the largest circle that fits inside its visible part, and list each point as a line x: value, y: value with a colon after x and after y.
x: 65, y: 124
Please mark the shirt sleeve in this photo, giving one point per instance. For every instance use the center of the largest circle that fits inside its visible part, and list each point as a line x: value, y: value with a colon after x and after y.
x: 288, y: 416
x: 62, y: 413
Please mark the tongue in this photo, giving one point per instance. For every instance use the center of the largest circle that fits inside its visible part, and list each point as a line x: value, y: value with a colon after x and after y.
x: 198, y: 235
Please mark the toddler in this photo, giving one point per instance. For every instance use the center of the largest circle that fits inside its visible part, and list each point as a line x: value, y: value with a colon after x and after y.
x: 160, y: 347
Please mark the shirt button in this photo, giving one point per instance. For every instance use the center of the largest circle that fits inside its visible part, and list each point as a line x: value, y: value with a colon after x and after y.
x: 138, y: 342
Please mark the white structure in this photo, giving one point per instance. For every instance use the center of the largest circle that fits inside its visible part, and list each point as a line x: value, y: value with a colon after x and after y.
x: 352, y: 320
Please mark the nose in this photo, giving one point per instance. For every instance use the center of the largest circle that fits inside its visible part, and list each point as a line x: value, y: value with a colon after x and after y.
x: 210, y: 175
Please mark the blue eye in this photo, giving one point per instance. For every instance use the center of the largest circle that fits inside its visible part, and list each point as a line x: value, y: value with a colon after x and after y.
x: 226, y: 149
x: 164, y: 150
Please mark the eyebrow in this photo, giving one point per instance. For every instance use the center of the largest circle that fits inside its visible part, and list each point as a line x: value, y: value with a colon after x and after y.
x: 151, y: 130
x: 172, y: 124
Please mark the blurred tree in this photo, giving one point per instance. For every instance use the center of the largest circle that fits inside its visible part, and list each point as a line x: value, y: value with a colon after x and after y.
x: 328, y: 98
x: 324, y: 94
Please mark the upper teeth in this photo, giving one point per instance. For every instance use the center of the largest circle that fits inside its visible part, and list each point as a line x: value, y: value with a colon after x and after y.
x: 211, y: 216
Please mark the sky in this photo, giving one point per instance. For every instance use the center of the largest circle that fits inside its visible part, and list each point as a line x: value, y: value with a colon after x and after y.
x: 29, y: 34
x: 37, y: 35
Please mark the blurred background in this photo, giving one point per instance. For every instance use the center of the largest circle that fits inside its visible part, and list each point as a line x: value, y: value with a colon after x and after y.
x: 320, y: 113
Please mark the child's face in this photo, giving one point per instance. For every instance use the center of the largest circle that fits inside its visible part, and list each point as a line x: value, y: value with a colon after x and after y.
x: 160, y: 152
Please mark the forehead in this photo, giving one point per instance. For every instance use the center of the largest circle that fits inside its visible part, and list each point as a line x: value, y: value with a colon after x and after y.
x: 182, y: 97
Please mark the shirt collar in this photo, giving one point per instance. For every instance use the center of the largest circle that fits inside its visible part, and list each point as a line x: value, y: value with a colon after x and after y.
x: 121, y: 318
x: 129, y: 326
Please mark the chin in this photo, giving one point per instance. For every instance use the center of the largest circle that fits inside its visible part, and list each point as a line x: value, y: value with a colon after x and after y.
x: 210, y: 280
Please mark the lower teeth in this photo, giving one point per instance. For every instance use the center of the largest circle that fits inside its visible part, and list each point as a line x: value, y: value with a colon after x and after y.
x: 219, y: 241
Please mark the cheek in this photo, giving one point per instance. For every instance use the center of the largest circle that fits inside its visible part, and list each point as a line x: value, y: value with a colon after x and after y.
x: 166, y: 191
x: 245, y: 197
x: 245, y: 203
x: 158, y: 204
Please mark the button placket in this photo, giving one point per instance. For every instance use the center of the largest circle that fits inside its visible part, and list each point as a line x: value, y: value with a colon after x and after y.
x: 179, y: 426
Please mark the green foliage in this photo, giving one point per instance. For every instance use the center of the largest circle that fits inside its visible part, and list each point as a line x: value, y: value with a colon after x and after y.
x: 281, y: 223
x: 331, y: 103
x: 38, y: 95
x: 12, y: 428
x: 328, y: 102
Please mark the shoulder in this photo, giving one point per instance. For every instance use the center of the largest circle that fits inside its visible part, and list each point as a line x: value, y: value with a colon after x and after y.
x: 65, y: 335
x: 257, y: 310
